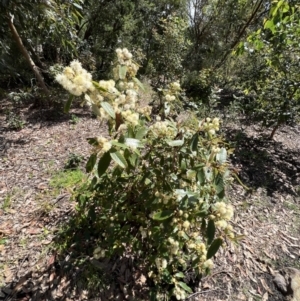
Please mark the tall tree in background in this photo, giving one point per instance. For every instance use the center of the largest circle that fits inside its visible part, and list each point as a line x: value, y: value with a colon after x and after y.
x: 27, y: 26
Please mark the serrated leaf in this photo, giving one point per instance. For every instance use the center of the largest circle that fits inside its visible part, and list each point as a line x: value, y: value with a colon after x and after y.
x: 210, y: 231
x: 122, y: 72
x: 108, y: 109
x: 222, y: 156
x: 91, y: 163
x: 68, y: 103
x: 176, y: 143
x: 141, y: 133
x: 194, y: 143
x: 214, y: 247
x: 185, y: 287
x: 103, y: 164
x: 119, y: 159
x: 138, y: 83
x: 162, y: 215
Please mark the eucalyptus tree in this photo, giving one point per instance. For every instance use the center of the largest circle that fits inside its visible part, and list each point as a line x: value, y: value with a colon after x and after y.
x: 217, y: 26
x: 27, y: 26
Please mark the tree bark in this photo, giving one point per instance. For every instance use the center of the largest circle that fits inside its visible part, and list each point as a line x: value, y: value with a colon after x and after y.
x: 27, y: 56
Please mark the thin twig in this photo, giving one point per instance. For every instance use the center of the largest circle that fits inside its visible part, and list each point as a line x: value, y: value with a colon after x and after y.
x: 202, y: 292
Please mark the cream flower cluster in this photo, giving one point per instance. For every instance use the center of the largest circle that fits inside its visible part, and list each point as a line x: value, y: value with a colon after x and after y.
x: 125, y: 58
x: 171, y: 92
x: 169, y: 97
x: 223, y: 211
x: 162, y: 129
x: 174, y: 246
x: 130, y: 117
x: 179, y: 293
x: 146, y: 111
x: 75, y: 79
x: 109, y: 86
x: 161, y: 264
x: 103, y: 145
x: 175, y: 87
x: 210, y: 125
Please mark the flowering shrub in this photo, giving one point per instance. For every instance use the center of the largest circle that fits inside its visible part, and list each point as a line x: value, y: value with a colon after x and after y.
x: 158, y: 186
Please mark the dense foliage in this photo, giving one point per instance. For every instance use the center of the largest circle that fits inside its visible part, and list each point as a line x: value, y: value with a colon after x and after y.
x: 158, y: 187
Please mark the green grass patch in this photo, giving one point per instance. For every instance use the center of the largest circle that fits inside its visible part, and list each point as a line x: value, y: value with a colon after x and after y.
x: 67, y: 179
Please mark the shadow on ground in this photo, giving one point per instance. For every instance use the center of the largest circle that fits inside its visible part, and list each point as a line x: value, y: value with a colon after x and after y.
x: 71, y: 271
x: 266, y: 163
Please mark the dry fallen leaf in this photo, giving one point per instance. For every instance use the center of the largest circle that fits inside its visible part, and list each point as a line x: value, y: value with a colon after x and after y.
x: 280, y: 282
x: 7, y: 274
x: 265, y: 297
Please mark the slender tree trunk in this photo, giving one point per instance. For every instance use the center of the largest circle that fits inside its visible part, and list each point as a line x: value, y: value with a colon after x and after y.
x: 27, y: 56
x: 274, y: 130
x: 240, y: 34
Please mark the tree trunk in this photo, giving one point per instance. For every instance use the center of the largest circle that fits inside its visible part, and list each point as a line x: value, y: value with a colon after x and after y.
x: 26, y: 55
x: 274, y: 130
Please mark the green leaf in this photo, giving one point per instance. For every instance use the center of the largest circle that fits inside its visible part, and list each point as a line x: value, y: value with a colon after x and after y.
x: 119, y: 159
x: 92, y: 141
x: 131, y: 142
x: 95, y: 109
x: 108, y: 109
x: 138, y: 83
x: 194, y: 143
x: 270, y: 25
x: 219, y: 184
x: 122, y: 72
x: 77, y: 5
x: 201, y: 176
x: 103, y: 164
x: 203, y: 225
x: 68, y: 103
x: 210, y: 231
x: 176, y: 143
x: 185, y: 287
x: 131, y: 158
x: 222, y: 156
x: 130, y: 132
x: 162, y: 215
x: 214, y: 247
x: 91, y: 163
x: 141, y: 133
x: 179, y: 275
x: 116, y: 143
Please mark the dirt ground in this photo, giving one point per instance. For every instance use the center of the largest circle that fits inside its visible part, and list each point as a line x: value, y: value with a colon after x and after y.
x: 267, y: 216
